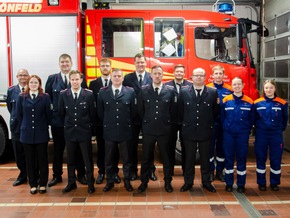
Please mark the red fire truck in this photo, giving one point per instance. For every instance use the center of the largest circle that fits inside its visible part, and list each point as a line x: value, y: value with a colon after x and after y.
x: 36, y: 32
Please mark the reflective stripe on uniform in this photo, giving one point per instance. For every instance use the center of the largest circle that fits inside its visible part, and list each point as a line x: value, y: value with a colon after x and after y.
x: 229, y: 171
x: 241, y: 173
x: 220, y: 159
x: 260, y: 170
x: 275, y: 171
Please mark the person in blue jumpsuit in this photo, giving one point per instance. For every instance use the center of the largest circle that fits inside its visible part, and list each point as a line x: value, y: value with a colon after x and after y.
x: 34, y: 114
x: 216, y: 150
x: 237, y: 117
x: 271, y: 117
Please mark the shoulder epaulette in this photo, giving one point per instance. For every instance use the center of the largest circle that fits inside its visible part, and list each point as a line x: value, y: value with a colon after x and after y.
x: 259, y: 100
x: 63, y: 90
x: 247, y: 99
x: 88, y: 90
x: 129, y: 87
x: 280, y: 100
x: 228, y: 98
x: 227, y: 86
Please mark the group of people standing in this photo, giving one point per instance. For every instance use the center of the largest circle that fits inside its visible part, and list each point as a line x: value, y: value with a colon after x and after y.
x: 216, y: 119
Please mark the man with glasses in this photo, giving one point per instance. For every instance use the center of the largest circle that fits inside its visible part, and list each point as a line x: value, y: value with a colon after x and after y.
x: 12, y: 97
x: 95, y: 85
x: 198, y: 107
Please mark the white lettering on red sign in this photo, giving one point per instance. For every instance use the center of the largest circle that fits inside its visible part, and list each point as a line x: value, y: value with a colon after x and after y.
x: 20, y: 8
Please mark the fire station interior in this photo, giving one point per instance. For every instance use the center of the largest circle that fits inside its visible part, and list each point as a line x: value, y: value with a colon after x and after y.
x: 272, y: 61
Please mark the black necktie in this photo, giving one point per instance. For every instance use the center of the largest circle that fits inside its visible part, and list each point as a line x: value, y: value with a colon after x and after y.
x: 76, y: 97
x: 65, y: 81
x: 198, y: 92
x: 22, y: 89
x: 156, y: 90
x: 33, y: 97
x: 116, y: 93
x: 179, y: 87
x: 106, y: 82
x: 140, y: 80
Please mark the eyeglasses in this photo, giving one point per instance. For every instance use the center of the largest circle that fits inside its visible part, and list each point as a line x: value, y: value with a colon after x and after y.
x: 198, y: 75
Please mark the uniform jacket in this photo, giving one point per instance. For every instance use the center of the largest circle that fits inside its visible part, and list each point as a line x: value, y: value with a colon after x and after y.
x: 53, y: 87
x: 238, y: 114
x: 156, y: 111
x: 117, y: 114
x: 34, y: 116
x: 12, y: 97
x: 132, y: 81
x: 271, y: 114
x: 223, y: 91
x: 175, y: 118
x: 78, y: 118
x: 198, y: 115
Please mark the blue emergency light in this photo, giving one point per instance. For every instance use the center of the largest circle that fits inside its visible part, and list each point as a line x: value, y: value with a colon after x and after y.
x: 224, y: 7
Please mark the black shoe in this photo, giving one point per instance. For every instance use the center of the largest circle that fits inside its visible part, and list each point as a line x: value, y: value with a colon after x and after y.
x: 142, y: 187
x: 152, y: 176
x: 133, y: 176
x: 42, y: 189
x: 19, y: 182
x: 33, y: 190
x: 83, y: 180
x: 91, y: 189
x: 220, y: 176
x: 108, y: 187
x: 54, y: 181
x: 100, y: 178
x: 241, y: 189
x: 69, y: 187
x: 229, y: 188
x: 128, y: 186
x: 274, y: 187
x: 209, y: 187
x: 168, y: 187
x: 211, y: 176
x: 262, y: 188
x: 117, y: 178
x: 185, y: 187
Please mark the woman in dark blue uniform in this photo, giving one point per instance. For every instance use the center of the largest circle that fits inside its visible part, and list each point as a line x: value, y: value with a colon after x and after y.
x: 34, y: 115
x: 237, y: 119
x: 271, y: 120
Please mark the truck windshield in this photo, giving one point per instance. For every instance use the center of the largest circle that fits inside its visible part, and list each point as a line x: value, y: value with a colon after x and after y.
x: 217, y: 44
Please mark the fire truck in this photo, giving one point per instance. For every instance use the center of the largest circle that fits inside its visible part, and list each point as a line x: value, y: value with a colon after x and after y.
x: 36, y: 32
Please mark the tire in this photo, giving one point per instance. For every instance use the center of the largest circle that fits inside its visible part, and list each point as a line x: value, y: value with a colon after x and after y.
x: 178, y: 153
x: 3, y: 140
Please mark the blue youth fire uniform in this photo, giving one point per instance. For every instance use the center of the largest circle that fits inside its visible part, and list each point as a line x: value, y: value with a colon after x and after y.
x: 271, y: 120
x: 237, y: 117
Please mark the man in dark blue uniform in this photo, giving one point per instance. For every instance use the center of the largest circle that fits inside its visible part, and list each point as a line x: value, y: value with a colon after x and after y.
x: 156, y: 106
x: 198, y: 107
x: 95, y: 85
x: 12, y: 97
x: 77, y: 108
x: 54, y: 85
x: 117, y: 108
x: 177, y: 83
x: 136, y: 80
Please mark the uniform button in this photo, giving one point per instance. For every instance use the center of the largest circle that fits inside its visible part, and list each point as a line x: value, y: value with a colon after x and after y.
x: 75, y: 107
x: 197, y: 124
x: 156, y: 100
x: 155, y: 118
x: 76, y: 125
x: 75, y: 119
x: 197, y: 105
x: 156, y: 106
x: 117, y: 116
x: 156, y: 112
x: 117, y: 109
x: 32, y: 109
x: 33, y: 127
x: 116, y: 102
x: 117, y: 124
x: 32, y: 121
x: 197, y: 118
x: 197, y: 111
x: 32, y: 115
x: 75, y: 113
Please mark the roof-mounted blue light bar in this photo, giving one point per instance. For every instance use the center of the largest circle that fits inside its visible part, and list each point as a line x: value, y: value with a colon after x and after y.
x: 225, y: 7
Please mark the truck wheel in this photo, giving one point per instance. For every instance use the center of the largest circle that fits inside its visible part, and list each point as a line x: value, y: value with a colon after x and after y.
x: 3, y: 139
x: 178, y: 153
